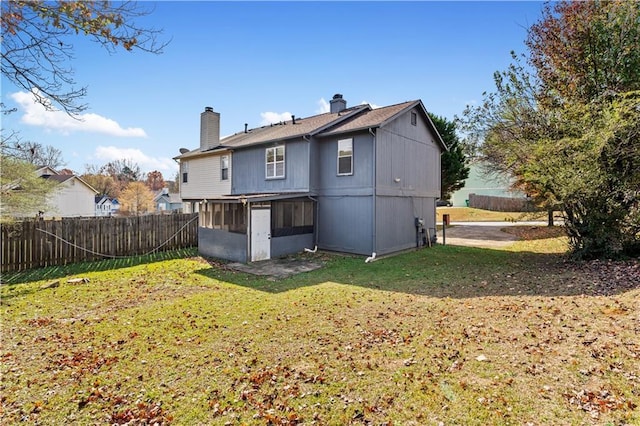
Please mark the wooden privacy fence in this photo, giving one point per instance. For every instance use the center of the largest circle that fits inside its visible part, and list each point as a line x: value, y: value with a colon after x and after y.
x: 38, y: 243
x: 501, y: 204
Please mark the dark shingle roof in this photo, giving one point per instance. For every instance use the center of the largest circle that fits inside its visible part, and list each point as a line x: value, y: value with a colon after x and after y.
x: 57, y: 178
x: 279, y: 132
x: 348, y: 120
x: 371, y: 118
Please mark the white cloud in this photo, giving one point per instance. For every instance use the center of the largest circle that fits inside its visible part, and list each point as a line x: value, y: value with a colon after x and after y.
x: 274, y: 117
x: 111, y: 153
x: 323, y: 106
x: 374, y: 106
x: 37, y: 115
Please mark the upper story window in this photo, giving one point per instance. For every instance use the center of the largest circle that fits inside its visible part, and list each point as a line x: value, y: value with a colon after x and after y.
x: 345, y: 157
x: 414, y: 118
x: 184, y: 168
x: 275, y: 162
x: 224, y: 167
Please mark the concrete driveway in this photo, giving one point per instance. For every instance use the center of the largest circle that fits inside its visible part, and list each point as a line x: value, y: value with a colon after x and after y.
x: 480, y: 234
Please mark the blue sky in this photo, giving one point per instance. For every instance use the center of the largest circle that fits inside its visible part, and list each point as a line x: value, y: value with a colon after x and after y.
x: 260, y: 61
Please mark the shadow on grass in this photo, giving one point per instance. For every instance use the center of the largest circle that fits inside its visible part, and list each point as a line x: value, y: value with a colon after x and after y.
x: 55, y: 272
x: 441, y: 271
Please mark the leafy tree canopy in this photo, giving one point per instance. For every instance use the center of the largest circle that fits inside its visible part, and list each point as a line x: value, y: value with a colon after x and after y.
x: 22, y: 191
x: 155, y: 180
x: 567, y: 127
x: 454, y: 168
x: 136, y: 199
x: 36, y: 43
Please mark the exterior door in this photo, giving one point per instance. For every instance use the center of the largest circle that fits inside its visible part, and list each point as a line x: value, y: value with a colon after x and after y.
x: 260, y: 234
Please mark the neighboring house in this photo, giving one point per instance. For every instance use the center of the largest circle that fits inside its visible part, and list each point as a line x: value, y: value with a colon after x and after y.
x: 166, y: 201
x: 74, y: 197
x: 106, y: 206
x: 483, y: 182
x: 355, y: 180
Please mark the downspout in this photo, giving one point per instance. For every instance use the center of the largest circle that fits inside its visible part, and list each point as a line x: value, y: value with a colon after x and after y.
x: 248, y: 216
x: 374, y: 192
x: 317, y: 216
x: 315, y: 227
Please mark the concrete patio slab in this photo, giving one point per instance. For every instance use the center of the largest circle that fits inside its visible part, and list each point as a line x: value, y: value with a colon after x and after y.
x: 277, y: 268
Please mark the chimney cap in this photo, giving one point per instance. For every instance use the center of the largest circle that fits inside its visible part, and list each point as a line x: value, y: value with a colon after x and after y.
x: 337, y: 96
x: 208, y: 109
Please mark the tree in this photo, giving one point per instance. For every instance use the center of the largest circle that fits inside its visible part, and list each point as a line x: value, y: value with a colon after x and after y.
x: 454, y: 161
x: 567, y: 129
x: 122, y: 172
x: 36, y: 46
x: 104, y: 184
x: 136, y: 199
x: 34, y: 153
x: 155, y: 181
x: 584, y: 50
x: 22, y: 191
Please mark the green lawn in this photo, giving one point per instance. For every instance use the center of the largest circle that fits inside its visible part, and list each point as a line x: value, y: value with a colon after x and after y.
x: 448, y: 334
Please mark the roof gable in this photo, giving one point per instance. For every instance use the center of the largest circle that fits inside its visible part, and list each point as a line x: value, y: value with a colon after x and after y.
x: 380, y: 116
x: 66, y: 178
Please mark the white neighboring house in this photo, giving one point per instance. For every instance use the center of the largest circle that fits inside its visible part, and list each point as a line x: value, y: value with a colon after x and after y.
x: 106, y: 206
x: 74, y: 198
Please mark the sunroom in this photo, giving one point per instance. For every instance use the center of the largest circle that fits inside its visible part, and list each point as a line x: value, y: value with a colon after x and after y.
x: 249, y: 228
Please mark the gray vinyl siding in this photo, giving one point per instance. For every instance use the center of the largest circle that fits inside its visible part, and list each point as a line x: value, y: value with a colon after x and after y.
x: 395, y: 221
x: 408, y: 153
x: 249, y: 174
x: 361, y: 181
x: 222, y: 244
x: 282, y: 246
x: 345, y: 224
x: 407, y: 182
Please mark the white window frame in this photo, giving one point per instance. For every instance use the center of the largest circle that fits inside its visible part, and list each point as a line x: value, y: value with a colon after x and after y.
x: 275, y: 162
x: 184, y: 175
x: 223, y: 168
x: 341, y: 147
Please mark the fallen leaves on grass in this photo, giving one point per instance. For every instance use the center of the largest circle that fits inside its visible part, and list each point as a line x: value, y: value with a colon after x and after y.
x: 597, y: 402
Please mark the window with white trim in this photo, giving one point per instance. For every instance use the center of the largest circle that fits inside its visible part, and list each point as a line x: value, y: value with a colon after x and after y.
x: 345, y: 157
x: 185, y: 171
x: 274, y: 160
x: 224, y: 167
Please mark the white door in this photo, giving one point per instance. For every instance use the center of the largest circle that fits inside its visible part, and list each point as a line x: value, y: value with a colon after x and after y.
x: 260, y: 234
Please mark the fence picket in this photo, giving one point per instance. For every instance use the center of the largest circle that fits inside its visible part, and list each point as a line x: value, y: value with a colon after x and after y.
x: 37, y: 243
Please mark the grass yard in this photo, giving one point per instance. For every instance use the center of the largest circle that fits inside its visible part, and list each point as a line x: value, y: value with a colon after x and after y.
x: 447, y: 335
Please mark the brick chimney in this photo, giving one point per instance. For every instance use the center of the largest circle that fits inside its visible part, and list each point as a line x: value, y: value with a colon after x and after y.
x: 337, y: 104
x: 209, y: 129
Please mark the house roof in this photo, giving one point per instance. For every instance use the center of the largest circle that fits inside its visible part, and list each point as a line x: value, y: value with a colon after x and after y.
x: 57, y: 178
x: 171, y: 197
x: 280, y: 131
x: 371, y: 118
x: 64, y: 178
x: 380, y: 116
x: 102, y: 199
x: 356, y: 118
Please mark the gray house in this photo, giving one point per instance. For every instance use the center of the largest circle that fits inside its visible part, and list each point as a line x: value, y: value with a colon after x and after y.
x: 355, y: 180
